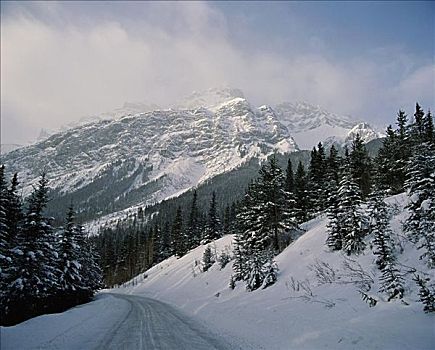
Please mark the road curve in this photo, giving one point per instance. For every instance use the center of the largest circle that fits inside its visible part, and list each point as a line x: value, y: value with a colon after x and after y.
x: 151, y: 324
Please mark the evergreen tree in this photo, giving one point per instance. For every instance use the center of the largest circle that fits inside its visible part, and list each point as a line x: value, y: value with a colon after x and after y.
x: 332, y: 169
x: 244, y: 225
x: 393, y: 156
x: 420, y: 225
x: 193, y: 225
x: 165, y: 242
x: 89, y: 260
x: 418, y: 127
x: 360, y: 166
x: 250, y: 241
x: 227, y: 220
x: 214, y: 227
x: 428, y: 128
x: 178, y: 242
x: 5, y: 258
x: 427, y: 296
x: 380, y: 229
x: 265, y: 222
x: 391, y: 280
x: 14, y: 214
x: 70, y: 255
x: 207, y: 259
x: 157, y: 244
x: 334, y: 225
x: 37, y: 278
x: 316, y: 182
x: 301, y: 194
x: 276, y: 215
x: 349, y: 215
x: 334, y: 240
x: 289, y: 178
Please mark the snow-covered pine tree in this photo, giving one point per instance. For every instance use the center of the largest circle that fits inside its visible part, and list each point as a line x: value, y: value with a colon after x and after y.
x: 255, y: 276
x: 386, y: 163
x: 392, y: 158
x: 316, y: 180
x: 420, y: 183
x: 379, y: 227
x: 14, y: 212
x: 277, y: 214
x: 232, y: 283
x: 165, y: 241
x: 178, y: 244
x: 193, y: 229
x: 265, y: 222
x: 334, y: 240
x: 360, y: 164
x: 5, y: 258
x: 301, y: 194
x: 418, y: 127
x: 334, y: 225
x: 70, y: 279
x: 214, y: 226
x: 247, y: 223
x: 391, y: 281
x: 156, y: 245
x: 401, y: 152
x: 37, y: 276
x: 289, y: 178
x: 427, y: 295
x: 270, y: 272
x: 350, y: 217
x: 207, y: 259
x: 226, y: 221
x: 429, y: 135
x: 91, y: 273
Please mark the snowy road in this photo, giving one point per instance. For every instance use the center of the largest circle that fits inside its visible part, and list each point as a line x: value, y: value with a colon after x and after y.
x: 113, y: 321
x: 151, y: 324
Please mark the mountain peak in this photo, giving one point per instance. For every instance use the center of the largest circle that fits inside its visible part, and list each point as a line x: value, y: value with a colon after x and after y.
x: 210, y: 98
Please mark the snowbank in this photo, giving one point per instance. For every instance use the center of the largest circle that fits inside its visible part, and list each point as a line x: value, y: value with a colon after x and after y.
x: 82, y: 327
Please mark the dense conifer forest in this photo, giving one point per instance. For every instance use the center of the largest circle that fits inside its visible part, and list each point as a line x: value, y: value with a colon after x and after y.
x: 43, y: 269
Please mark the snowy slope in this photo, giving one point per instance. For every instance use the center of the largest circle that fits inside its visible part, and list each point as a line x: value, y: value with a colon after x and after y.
x: 285, y: 316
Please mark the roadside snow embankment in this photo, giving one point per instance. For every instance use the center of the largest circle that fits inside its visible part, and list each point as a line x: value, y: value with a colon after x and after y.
x: 82, y: 327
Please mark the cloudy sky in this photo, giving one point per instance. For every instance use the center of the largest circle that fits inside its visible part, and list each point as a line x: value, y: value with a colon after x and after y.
x: 61, y: 61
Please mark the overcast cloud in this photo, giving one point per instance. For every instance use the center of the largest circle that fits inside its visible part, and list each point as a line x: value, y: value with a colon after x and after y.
x: 60, y: 62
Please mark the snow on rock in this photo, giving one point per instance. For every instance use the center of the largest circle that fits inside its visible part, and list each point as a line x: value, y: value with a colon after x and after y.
x: 310, y: 124
x: 365, y: 131
x: 300, y: 311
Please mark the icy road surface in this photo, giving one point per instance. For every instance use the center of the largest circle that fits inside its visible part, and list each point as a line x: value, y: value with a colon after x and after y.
x: 114, y: 321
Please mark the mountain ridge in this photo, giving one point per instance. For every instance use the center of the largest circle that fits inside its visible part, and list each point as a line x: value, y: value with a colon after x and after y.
x: 142, y: 159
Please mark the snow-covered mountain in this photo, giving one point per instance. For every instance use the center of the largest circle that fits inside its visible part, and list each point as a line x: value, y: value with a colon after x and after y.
x: 9, y: 147
x: 148, y: 157
x: 209, y: 98
x: 310, y: 124
x: 109, y: 163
